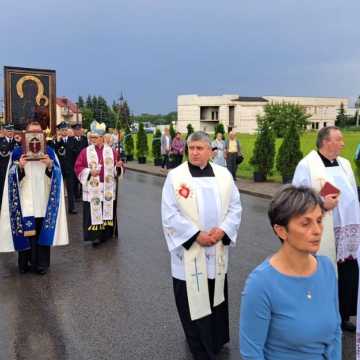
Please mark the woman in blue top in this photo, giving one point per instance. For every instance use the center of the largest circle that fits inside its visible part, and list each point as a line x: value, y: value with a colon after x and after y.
x: 289, y: 307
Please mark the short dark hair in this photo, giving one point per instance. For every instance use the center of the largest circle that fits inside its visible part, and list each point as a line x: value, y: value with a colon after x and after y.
x: 324, y: 134
x: 291, y: 201
x: 199, y: 136
x: 32, y: 123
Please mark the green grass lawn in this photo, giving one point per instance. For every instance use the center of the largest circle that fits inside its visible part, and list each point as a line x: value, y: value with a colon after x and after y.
x: 245, y: 170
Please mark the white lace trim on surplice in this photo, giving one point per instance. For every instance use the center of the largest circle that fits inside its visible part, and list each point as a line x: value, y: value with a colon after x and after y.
x: 347, y: 241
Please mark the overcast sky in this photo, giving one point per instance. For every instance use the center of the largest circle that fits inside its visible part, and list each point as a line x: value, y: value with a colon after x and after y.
x: 154, y: 50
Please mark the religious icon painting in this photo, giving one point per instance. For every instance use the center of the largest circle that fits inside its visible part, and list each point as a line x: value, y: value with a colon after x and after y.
x: 30, y: 95
x: 34, y: 145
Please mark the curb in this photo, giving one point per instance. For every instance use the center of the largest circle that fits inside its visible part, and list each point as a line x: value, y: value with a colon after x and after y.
x: 243, y: 191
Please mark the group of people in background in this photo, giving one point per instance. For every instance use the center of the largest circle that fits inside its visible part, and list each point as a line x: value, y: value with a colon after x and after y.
x: 224, y: 152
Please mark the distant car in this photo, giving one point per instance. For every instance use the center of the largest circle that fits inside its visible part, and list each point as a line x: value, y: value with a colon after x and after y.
x: 149, y: 130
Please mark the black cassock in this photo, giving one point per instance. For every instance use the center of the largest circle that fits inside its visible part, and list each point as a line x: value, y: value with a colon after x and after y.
x: 348, y: 275
x: 205, y: 336
x: 97, y: 232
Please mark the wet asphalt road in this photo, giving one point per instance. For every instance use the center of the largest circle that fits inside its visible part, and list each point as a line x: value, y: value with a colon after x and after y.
x: 116, y: 301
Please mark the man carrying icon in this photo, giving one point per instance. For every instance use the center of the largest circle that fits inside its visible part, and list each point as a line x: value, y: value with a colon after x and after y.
x: 33, y: 216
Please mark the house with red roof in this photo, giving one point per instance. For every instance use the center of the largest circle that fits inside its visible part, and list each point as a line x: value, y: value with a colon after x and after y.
x: 67, y: 111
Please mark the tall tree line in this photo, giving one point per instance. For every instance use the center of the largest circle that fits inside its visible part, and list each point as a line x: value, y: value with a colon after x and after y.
x: 118, y: 115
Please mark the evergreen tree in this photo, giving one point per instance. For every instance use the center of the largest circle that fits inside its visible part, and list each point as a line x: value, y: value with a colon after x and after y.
x: 341, y: 117
x: 172, y: 131
x: 141, y: 142
x: 88, y: 117
x: 94, y: 104
x: 219, y: 128
x: 80, y: 102
x: 124, y: 115
x: 190, y: 130
x: 264, y: 148
x: 156, y: 145
x: 129, y: 142
x: 88, y: 103
x: 289, y: 153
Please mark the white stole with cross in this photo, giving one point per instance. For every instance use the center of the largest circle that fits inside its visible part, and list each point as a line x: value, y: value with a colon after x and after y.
x: 195, y: 258
x: 319, y: 176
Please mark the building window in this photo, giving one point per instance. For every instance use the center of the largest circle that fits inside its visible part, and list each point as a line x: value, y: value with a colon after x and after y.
x: 214, y: 115
x: 312, y: 126
x: 317, y: 126
x: 325, y: 124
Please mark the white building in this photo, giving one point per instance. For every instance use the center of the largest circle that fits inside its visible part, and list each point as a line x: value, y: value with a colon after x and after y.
x: 67, y: 111
x: 239, y: 112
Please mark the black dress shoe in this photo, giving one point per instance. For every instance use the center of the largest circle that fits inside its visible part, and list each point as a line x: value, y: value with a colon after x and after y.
x: 72, y: 212
x: 41, y: 271
x: 24, y: 270
x: 348, y: 326
x: 96, y: 243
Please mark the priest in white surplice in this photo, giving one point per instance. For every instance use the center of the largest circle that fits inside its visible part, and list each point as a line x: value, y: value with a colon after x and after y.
x: 201, y: 213
x: 33, y: 215
x: 341, y: 236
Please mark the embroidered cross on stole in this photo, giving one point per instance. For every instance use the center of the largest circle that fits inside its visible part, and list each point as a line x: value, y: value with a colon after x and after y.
x: 195, y: 258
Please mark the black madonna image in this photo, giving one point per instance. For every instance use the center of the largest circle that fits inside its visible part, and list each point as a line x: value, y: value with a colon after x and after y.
x: 30, y: 96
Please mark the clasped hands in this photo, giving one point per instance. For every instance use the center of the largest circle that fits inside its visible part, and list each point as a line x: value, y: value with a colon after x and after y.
x: 211, y: 237
x: 96, y: 172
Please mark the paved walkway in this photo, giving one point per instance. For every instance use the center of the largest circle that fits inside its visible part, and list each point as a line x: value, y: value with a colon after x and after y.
x: 264, y: 189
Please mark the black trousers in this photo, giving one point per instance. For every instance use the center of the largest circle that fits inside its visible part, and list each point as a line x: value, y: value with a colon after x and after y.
x: 70, y: 181
x: 38, y: 256
x: 99, y: 232
x: 178, y: 159
x: 231, y: 164
x: 348, y: 273
x: 165, y: 162
x: 205, y: 336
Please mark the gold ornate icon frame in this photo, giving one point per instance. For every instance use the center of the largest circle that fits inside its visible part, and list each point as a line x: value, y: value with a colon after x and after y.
x: 16, y: 77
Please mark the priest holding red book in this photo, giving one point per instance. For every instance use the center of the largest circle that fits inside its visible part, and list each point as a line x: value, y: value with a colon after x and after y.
x: 332, y: 177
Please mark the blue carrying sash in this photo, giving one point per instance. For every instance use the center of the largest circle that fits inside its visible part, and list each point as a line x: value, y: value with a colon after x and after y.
x: 22, y: 227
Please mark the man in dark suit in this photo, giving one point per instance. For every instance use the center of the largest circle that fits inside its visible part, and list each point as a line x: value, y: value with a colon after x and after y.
x: 64, y: 147
x: 5, y: 151
x: 80, y: 142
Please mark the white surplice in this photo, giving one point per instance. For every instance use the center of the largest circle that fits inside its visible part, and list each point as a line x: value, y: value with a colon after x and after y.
x: 346, y: 216
x: 209, y: 209
x: 34, y: 189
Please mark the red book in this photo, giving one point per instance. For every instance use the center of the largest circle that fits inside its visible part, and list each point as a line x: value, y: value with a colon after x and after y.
x: 329, y: 189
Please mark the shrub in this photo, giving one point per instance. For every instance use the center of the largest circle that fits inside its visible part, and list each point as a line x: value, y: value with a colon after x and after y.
x: 289, y: 153
x: 141, y: 144
x: 264, y: 149
x: 129, y: 142
x: 156, y: 145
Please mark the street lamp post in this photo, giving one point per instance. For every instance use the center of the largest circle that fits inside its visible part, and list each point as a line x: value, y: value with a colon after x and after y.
x: 357, y: 107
